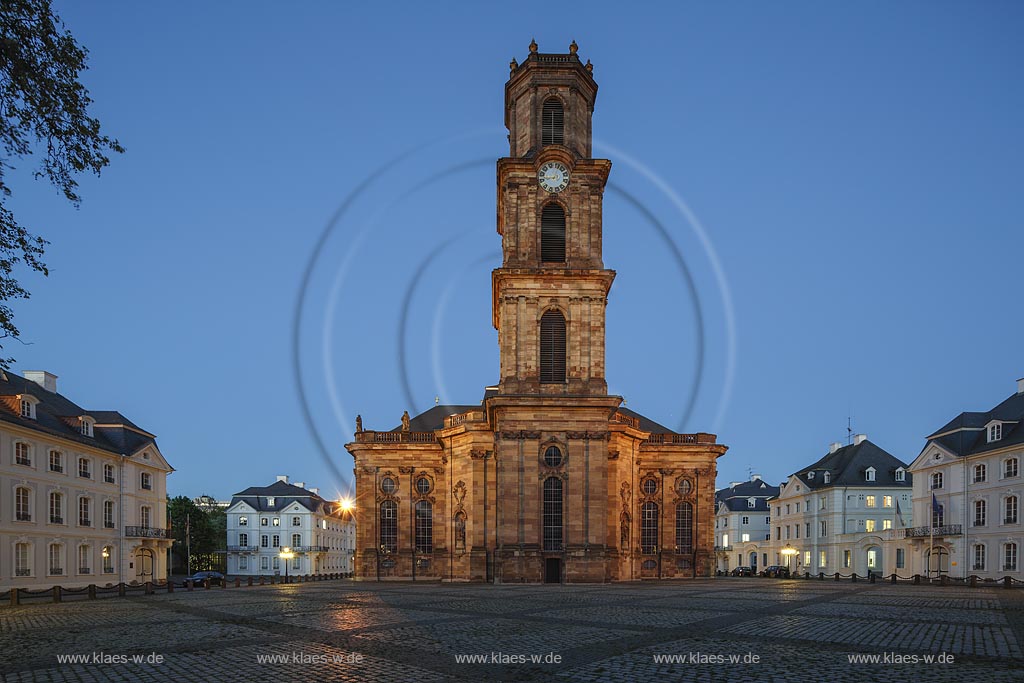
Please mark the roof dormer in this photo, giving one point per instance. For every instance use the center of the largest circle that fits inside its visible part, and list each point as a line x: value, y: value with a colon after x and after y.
x: 27, y: 406
x: 869, y: 474
x: 994, y: 431
x: 85, y: 425
x: 826, y: 477
x: 810, y: 475
x: 901, y: 474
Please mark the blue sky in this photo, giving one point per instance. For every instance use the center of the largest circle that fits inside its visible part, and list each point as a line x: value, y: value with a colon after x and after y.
x: 856, y: 170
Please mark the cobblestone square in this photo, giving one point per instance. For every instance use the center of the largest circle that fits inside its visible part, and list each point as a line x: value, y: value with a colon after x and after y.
x: 727, y: 629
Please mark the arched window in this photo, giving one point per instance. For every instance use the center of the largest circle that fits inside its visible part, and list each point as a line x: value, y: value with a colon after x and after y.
x: 1011, y: 510
x: 22, y: 504
x: 56, y: 508
x: 552, y: 347
x: 552, y: 122
x: 684, y: 527
x: 424, y: 527
x: 649, y: 528
x: 552, y: 233
x: 980, y: 513
x: 552, y: 513
x: 389, y: 526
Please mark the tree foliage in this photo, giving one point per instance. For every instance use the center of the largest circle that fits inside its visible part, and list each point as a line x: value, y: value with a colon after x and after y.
x: 43, y: 112
x: 208, y: 531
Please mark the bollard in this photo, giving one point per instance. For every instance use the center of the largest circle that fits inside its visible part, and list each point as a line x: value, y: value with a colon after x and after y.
x: 261, y: 580
x: 821, y: 576
x: 121, y: 589
x: 148, y: 588
x: 207, y: 583
x: 853, y: 578
x: 917, y: 579
x: 238, y: 583
x: 56, y: 593
x: 974, y: 581
x: 190, y: 585
x: 1007, y: 582
x: 871, y: 577
x: 944, y: 580
x: 170, y: 585
x: 273, y: 579
x: 250, y: 580
x: 14, y: 597
x: 894, y: 577
x: 92, y: 591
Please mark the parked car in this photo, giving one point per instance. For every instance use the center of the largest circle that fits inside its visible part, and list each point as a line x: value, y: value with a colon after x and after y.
x: 776, y: 571
x: 215, y: 578
x: 742, y: 571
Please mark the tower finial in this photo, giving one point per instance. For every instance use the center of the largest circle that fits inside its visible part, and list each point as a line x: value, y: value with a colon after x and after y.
x: 573, y: 47
x: 513, y: 65
x: 589, y: 67
x: 533, y: 46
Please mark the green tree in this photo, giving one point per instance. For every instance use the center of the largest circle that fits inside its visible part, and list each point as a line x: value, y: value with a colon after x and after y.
x: 44, y: 111
x: 207, y: 535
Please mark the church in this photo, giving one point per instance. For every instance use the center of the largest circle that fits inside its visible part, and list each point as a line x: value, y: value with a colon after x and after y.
x: 548, y: 478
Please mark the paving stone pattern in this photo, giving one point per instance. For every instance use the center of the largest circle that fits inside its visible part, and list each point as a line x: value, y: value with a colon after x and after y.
x: 345, y: 631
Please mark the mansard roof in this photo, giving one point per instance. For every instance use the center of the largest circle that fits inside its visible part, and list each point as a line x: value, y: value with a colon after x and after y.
x: 736, y: 497
x: 847, y: 465
x: 283, y: 494
x: 57, y: 415
x: 965, y: 434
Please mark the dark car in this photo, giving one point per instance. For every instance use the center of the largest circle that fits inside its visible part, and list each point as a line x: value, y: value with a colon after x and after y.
x: 742, y: 571
x: 215, y: 578
x: 776, y: 571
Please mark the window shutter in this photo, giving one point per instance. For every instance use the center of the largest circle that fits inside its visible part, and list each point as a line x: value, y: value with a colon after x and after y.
x: 552, y: 123
x: 552, y: 347
x: 552, y: 234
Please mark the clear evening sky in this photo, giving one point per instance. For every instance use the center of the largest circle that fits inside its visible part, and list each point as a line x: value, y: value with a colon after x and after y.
x: 857, y: 170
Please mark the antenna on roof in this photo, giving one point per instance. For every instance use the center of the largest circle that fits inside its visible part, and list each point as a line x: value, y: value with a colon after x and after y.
x: 849, y: 430
x: 437, y: 399
x: 750, y: 471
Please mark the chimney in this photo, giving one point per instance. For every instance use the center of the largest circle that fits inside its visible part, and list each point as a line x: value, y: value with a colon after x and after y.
x: 859, y: 439
x: 283, y: 477
x: 315, y: 490
x: 43, y: 379
x: 755, y: 477
x: 300, y: 484
x: 1020, y: 386
x: 834, y: 446
x: 734, y: 484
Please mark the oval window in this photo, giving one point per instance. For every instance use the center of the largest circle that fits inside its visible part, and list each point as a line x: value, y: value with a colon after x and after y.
x: 552, y: 456
x: 387, y: 485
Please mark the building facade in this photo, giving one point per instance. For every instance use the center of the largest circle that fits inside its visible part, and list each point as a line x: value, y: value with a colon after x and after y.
x: 548, y: 478
x: 263, y: 520
x: 836, y: 514
x: 743, y: 524
x: 86, y: 492
x: 967, y: 496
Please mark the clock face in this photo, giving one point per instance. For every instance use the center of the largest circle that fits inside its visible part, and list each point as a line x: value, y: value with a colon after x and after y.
x: 553, y: 176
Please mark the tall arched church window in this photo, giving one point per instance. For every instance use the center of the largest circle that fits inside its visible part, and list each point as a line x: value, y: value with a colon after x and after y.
x: 552, y: 513
x: 552, y: 122
x: 552, y: 347
x: 684, y: 527
x: 389, y: 526
x: 552, y: 234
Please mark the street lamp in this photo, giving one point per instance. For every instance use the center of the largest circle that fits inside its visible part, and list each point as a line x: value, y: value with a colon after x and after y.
x: 286, y: 554
x: 789, y: 551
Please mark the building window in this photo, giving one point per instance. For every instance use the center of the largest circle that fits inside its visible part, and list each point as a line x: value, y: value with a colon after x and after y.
x: 796, y: 530
x: 810, y: 475
x: 264, y: 541
x: 684, y: 527
x: 869, y: 525
x: 270, y: 501
x: 277, y: 562
x: 901, y: 474
x: 980, y: 513
x: 243, y: 540
x: 552, y: 122
x: 277, y: 521
x: 243, y: 521
x: 552, y: 347
x: 745, y: 538
x: 826, y: 477
x: 425, y: 527
x: 388, y: 485
x: 84, y: 468
x: 822, y: 556
x: 1010, y: 468
x: 745, y: 520
x: 56, y: 508
x: 979, y: 557
x: 846, y: 559
x: 869, y: 474
x: 900, y: 558
x: 650, y: 487
x: 28, y: 409
x: 108, y: 514
x: 108, y: 559
x: 296, y: 521
x: 870, y: 501
x: 22, y: 559
x: 822, y: 528
x: 995, y: 432
x: 275, y: 541
x: 22, y: 454
x: 887, y: 501
x: 1011, y: 510
x: 22, y: 504
x: 649, y: 528
x: 145, y: 515
x: 146, y: 481
x: 296, y: 540
x: 787, y: 532
x: 84, y: 511
x: 552, y: 233
x: 108, y: 473
x: 685, y: 486
x: 937, y: 480
x: 552, y: 514
x: 980, y: 473
x: 389, y: 526
x: 56, y: 556
x: 56, y: 461
x: 886, y: 524
x: 938, y: 514
x: 84, y: 559
x: 265, y: 562
x: 264, y: 521
x: 552, y: 456
x: 751, y: 503
x: 86, y: 426
x: 243, y: 562
x: 778, y: 533
x: 1010, y: 557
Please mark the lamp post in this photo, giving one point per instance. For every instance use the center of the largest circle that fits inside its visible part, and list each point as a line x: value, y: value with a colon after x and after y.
x: 789, y: 551
x: 286, y: 554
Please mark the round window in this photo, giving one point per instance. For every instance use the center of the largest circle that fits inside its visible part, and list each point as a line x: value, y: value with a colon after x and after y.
x: 388, y: 485
x: 552, y: 456
x: 650, y: 486
x: 423, y: 485
x: 685, y: 486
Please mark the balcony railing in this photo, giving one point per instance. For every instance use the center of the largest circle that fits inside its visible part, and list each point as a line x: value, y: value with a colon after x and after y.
x: 146, y: 532
x: 310, y: 548
x: 462, y: 418
x: 725, y: 548
x: 396, y: 437
x: 23, y: 516
x: 626, y: 420
x: 681, y: 439
x: 243, y: 548
x: 23, y: 572
x: 926, y: 531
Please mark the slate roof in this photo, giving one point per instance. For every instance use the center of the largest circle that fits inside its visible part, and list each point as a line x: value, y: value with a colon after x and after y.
x: 735, y: 497
x: 965, y: 434
x: 113, y: 432
x: 847, y: 466
x: 432, y: 419
x: 284, y: 494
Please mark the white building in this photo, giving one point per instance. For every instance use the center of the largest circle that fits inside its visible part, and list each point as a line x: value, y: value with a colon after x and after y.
x: 837, y: 512
x: 971, y: 468
x: 86, y: 492
x: 742, y: 524
x: 262, y: 520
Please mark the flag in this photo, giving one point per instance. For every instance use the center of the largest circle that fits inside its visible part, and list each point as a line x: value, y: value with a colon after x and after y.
x: 936, y: 509
x: 899, y: 515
